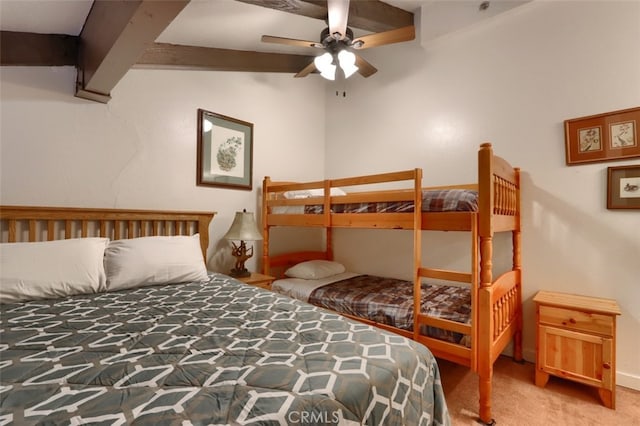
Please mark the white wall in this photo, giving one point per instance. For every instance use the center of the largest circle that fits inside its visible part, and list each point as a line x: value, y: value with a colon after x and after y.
x: 512, y: 81
x: 139, y: 150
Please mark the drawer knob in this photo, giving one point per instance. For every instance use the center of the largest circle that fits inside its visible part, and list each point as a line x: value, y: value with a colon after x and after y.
x: 572, y: 321
x: 606, y: 366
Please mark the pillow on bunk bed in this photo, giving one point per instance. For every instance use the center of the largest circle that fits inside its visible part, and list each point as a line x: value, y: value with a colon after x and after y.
x: 145, y: 261
x: 306, y: 193
x: 315, y: 269
x: 51, y: 269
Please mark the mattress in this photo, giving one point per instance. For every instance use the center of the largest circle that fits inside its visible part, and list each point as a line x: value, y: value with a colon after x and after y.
x: 450, y: 200
x: 385, y: 300
x: 211, y: 352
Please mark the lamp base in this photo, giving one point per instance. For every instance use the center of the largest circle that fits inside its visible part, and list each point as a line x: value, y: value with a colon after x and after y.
x: 239, y: 273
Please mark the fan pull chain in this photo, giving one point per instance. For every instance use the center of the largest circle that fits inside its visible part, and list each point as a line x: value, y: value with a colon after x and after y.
x: 344, y: 83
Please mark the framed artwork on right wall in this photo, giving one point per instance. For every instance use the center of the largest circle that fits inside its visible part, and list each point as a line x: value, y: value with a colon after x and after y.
x: 603, y: 137
x: 623, y: 187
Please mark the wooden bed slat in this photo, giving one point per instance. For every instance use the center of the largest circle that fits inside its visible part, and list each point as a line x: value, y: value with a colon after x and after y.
x: 32, y: 230
x: 373, y: 220
x: 375, y: 179
x: 443, y: 274
x: 12, y: 230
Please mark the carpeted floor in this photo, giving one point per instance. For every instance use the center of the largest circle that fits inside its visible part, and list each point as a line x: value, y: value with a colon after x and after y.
x: 517, y: 401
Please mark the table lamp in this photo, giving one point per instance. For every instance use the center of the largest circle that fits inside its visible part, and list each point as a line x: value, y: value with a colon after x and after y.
x: 243, y: 228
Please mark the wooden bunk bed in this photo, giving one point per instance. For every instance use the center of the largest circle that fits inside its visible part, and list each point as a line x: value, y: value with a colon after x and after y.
x: 496, y: 303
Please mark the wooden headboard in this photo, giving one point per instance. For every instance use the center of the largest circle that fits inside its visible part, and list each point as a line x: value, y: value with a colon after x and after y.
x: 26, y: 223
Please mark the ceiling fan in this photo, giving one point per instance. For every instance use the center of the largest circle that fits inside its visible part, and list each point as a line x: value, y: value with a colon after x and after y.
x: 338, y: 42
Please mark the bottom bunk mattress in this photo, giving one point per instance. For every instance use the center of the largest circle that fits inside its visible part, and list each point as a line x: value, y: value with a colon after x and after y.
x: 211, y: 352
x: 384, y: 300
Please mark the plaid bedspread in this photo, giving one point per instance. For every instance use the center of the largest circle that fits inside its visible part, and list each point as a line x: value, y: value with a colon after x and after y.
x: 450, y: 200
x: 213, y: 352
x: 390, y: 301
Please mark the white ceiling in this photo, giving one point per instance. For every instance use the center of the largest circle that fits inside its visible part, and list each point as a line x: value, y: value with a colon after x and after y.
x: 233, y: 25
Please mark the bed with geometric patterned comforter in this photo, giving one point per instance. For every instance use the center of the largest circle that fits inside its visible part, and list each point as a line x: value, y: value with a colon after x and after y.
x: 213, y: 352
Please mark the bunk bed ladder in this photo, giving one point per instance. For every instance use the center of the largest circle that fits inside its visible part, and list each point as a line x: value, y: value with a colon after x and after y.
x: 451, y: 351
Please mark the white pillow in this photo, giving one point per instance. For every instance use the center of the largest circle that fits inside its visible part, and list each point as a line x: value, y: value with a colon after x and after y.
x: 51, y: 269
x: 154, y: 260
x: 315, y: 269
x: 306, y: 193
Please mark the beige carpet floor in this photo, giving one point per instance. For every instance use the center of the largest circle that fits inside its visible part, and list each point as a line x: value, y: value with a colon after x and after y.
x: 517, y: 401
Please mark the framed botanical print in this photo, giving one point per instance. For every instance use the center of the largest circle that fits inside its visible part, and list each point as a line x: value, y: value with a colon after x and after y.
x: 225, y: 151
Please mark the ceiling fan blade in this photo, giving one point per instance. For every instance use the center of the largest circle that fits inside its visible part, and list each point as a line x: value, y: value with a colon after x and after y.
x: 338, y: 14
x: 306, y: 70
x: 386, y: 37
x: 365, y: 68
x: 290, y: 41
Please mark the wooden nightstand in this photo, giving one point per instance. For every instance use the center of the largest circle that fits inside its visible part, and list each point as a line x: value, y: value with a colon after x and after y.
x: 258, y: 280
x: 576, y: 340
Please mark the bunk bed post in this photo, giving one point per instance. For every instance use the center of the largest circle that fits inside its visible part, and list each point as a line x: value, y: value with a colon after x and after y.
x: 328, y: 235
x: 484, y: 316
x: 474, y: 292
x: 417, y: 250
x: 266, y: 265
x: 517, y: 266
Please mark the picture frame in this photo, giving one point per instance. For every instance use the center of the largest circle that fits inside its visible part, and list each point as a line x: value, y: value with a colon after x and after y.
x: 623, y: 187
x: 603, y: 137
x: 225, y: 151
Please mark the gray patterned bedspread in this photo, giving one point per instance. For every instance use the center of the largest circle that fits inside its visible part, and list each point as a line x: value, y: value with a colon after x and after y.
x: 390, y: 301
x: 449, y: 200
x: 217, y: 352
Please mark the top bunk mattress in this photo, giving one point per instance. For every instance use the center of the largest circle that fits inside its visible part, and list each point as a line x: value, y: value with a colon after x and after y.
x: 446, y: 200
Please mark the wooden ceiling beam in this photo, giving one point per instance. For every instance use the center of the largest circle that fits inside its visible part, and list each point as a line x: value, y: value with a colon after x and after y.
x: 377, y: 16
x: 115, y: 34
x: 368, y: 15
x: 172, y: 56
x: 31, y: 49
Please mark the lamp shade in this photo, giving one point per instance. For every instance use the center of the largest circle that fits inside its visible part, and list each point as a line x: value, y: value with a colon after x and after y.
x: 243, y: 228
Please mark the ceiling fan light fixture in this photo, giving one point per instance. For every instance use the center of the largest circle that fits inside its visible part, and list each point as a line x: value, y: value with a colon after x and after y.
x: 347, y: 62
x: 324, y: 64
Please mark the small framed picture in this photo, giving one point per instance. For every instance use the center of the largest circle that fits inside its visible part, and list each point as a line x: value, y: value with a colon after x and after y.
x: 590, y: 139
x: 623, y: 135
x: 603, y: 137
x: 623, y: 187
x: 225, y: 151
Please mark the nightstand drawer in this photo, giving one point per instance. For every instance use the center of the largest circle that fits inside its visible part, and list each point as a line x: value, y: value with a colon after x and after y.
x: 576, y: 320
x: 258, y: 280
